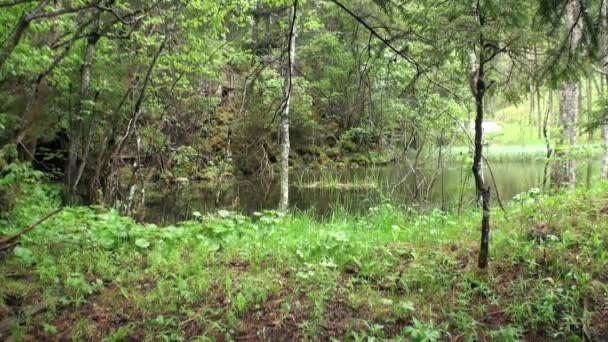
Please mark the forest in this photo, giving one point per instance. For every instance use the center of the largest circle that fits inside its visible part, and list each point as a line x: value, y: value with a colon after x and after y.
x: 304, y: 170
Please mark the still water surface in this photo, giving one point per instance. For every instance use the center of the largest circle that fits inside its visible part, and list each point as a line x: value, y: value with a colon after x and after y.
x: 453, y: 187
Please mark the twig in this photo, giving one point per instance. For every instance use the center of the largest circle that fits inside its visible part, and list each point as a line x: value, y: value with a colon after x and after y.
x: 8, y: 246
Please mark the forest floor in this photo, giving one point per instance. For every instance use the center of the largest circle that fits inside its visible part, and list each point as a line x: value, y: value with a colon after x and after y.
x: 393, y: 273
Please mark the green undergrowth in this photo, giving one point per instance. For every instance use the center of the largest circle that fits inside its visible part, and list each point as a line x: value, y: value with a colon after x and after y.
x: 392, y: 273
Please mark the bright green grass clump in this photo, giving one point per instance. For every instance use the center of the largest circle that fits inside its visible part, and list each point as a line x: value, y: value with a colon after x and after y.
x: 392, y: 273
x: 331, y: 181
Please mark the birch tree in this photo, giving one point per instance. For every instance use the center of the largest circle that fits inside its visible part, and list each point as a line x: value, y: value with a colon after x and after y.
x: 287, y: 91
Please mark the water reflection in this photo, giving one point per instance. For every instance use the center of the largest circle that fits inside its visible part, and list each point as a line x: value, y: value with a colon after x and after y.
x: 451, y: 188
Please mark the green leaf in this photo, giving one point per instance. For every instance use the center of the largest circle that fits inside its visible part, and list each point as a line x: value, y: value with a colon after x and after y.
x: 142, y: 243
x: 24, y: 255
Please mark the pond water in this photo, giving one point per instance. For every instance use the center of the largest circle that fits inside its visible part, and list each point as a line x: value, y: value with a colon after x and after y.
x: 451, y: 189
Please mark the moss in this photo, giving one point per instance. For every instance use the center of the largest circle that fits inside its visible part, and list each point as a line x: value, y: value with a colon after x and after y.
x: 359, y: 159
x: 333, y: 153
x: 348, y: 146
x: 324, y: 159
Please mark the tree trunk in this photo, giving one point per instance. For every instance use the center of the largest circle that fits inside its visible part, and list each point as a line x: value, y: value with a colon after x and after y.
x: 604, y: 80
x: 539, y: 113
x: 547, y: 138
x: 565, y: 171
x: 480, y: 184
x: 111, y: 176
x: 478, y: 88
x: 287, y: 90
x: 589, y: 107
x: 532, y: 104
x: 75, y: 149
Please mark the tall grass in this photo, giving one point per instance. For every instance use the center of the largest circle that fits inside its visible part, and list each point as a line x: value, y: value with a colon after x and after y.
x: 512, y: 153
x: 340, y: 181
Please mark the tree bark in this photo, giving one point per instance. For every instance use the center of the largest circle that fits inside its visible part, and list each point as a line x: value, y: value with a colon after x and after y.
x: 589, y: 107
x: 565, y: 171
x: 539, y: 114
x: 478, y: 88
x: 532, y: 104
x: 568, y: 108
x: 75, y: 150
x: 287, y: 90
x: 604, y: 81
x: 547, y: 138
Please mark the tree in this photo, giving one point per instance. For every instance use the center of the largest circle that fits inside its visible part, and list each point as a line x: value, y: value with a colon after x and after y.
x: 603, y: 44
x: 287, y: 90
x: 74, y: 172
x: 565, y: 172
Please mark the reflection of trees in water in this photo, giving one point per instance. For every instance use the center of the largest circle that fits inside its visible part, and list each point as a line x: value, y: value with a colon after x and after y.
x: 177, y: 202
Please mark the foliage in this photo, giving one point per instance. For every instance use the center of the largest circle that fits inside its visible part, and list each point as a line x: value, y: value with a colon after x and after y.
x: 221, y: 274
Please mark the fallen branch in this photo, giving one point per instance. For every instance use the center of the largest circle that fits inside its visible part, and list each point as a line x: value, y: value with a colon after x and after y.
x: 7, y: 246
x: 10, y: 238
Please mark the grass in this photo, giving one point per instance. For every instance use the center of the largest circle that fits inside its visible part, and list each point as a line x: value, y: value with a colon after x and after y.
x: 514, y: 153
x: 521, y: 130
x: 392, y: 273
x: 336, y: 181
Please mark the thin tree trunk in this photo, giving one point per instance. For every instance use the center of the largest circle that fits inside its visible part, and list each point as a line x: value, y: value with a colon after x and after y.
x: 75, y: 149
x: 579, y: 116
x: 112, y: 178
x: 532, y: 104
x: 87, y: 147
x: 287, y: 91
x: 480, y: 184
x: 589, y: 107
x: 605, y: 150
x: 478, y: 87
x: 539, y: 114
x: 604, y: 80
x: 547, y: 138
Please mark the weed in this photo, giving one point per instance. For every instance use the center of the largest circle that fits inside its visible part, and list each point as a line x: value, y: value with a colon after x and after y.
x: 387, y: 273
